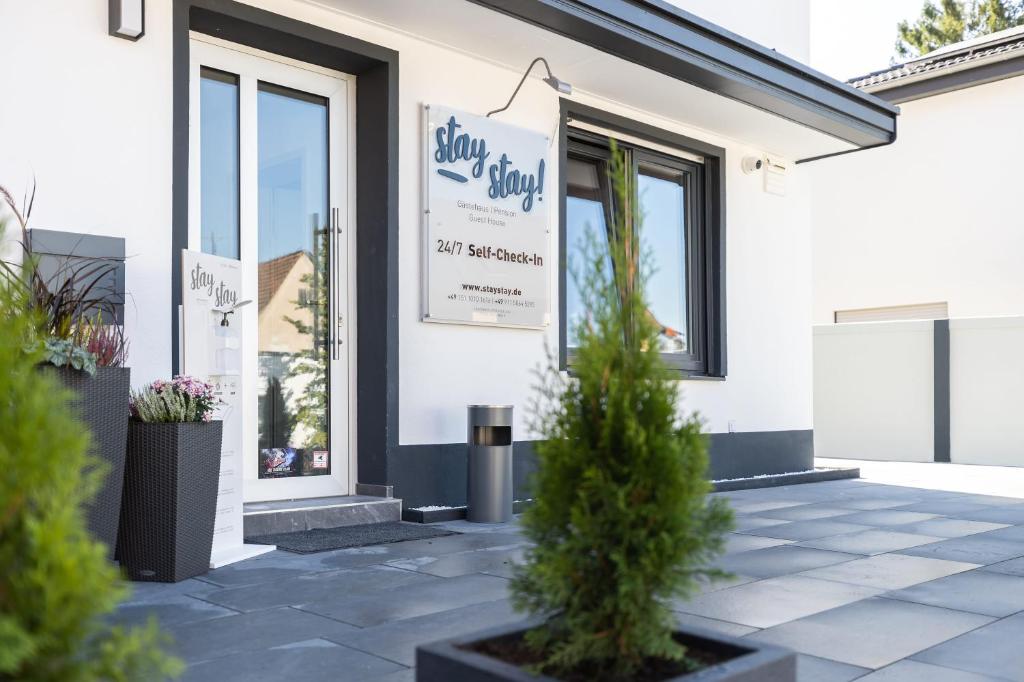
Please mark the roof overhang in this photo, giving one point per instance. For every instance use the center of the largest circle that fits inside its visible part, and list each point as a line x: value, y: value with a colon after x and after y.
x: 666, y: 39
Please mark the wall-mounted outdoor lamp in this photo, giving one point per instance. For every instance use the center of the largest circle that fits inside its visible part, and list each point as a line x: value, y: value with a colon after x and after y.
x: 557, y: 84
x: 128, y: 19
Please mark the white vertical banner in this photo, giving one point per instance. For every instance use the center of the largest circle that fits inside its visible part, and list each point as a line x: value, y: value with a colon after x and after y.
x: 487, y: 238
x: 211, y: 349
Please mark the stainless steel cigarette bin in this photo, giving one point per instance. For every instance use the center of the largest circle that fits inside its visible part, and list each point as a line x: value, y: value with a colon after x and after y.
x: 489, y: 491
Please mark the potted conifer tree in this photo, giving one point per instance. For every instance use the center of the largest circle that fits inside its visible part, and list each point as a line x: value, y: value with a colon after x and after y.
x: 621, y: 519
x: 171, y: 478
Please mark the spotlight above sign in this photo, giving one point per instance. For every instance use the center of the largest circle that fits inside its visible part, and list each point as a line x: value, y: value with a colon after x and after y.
x: 127, y: 19
x: 556, y: 84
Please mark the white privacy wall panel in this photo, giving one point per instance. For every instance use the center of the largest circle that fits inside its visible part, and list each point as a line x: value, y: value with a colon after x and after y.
x: 986, y: 386
x: 873, y: 391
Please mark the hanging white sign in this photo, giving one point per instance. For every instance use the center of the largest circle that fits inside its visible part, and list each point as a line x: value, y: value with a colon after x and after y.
x: 211, y: 349
x: 487, y: 238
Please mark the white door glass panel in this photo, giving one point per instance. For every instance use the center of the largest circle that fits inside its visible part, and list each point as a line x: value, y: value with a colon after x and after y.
x: 296, y: 244
x: 294, y: 282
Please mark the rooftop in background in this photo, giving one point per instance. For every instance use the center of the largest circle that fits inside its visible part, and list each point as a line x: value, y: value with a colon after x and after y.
x: 961, y: 65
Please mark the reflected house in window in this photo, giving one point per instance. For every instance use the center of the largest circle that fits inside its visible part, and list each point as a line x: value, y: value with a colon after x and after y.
x: 287, y: 315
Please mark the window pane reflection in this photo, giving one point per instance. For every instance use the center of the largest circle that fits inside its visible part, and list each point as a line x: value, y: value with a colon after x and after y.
x: 663, y: 236
x: 218, y: 162
x: 584, y: 215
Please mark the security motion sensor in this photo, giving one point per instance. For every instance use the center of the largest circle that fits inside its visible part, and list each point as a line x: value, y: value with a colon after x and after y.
x: 751, y: 164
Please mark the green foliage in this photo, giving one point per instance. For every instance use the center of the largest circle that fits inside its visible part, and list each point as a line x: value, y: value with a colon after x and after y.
x: 56, y: 587
x: 309, y: 367
x: 621, y: 519
x: 956, y: 20
x: 66, y: 353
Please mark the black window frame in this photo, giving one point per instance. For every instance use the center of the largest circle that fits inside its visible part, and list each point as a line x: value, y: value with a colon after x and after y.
x: 705, y: 226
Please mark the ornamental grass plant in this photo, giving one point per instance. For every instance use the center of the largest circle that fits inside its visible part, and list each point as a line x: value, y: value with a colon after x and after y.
x: 621, y: 520
x: 57, y: 590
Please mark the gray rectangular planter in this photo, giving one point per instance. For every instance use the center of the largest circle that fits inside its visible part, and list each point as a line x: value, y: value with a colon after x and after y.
x: 171, y: 479
x: 445, y: 661
x: 101, y: 403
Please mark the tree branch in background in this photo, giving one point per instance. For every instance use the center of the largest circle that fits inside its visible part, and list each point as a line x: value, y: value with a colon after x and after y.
x: 953, y: 21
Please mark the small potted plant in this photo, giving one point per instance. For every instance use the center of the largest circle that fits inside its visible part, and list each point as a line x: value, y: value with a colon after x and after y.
x: 69, y: 305
x: 621, y: 521
x: 171, y: 479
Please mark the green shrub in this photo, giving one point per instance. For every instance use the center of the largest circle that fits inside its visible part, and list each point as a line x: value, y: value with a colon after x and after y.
x: 621, y: 520
x: 56, y: 587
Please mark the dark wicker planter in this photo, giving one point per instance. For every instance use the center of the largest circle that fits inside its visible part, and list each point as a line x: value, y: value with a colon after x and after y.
x: 753, y: 661
x: 171, y: 479
x: 102, y: 404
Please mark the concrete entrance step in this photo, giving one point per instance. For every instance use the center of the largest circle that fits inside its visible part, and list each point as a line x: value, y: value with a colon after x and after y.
x: 284, y: 516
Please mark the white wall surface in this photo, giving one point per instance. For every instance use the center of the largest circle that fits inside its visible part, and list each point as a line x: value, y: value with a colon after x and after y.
x: 933, y: 217
x: 89, y: 117
x: 92, y: 122
x: 987, y: 391
x: 873, y: 391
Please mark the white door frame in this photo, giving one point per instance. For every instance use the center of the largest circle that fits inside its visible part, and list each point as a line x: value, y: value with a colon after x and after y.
x: 251, y: 66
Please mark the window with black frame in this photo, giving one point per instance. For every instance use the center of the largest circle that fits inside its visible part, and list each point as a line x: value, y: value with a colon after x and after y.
x: 670, y: 197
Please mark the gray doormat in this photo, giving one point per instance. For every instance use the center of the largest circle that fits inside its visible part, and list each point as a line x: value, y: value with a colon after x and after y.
x: 325, y: 539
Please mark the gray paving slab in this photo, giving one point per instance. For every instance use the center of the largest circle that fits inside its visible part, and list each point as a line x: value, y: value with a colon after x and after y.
x: 873, y: 632
x: 309, y: 588
x: 498, y: 560
x: 745, y: 522
x: 781, y: 560
x: 890, y: 571
x: 914, y: 671
x: 804, y: 512
x: 397, y: 641
x: 1011, y: 514
x: 466, y: 542
x: 773, y: 601
x: 885, y: 517
x: 874, y: 541
x: 994, y: 649
x: 755, y: 507
x: 732, y: 629
x: 174, y: 610
x: 740, y: 542
x: 1011, y: 567
x: 978, y: 549
x: 313, y: 660
x: 993, y: 500
x: 987, y: 593
x: 952, y: 507
x: 249, y: 632
x: 404, y: 675
x: 807, y: 530
x: 950, y: 528
x: 410, y: 601
x: 871, y: 503
x: 814, y: 669
x: 144, y: 592
x: 1015, y: 533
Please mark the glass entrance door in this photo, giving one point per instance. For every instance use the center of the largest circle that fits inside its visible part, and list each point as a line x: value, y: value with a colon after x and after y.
x: 277, y: 199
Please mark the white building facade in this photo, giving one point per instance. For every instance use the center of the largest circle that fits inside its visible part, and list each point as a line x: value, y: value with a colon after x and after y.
x: 280, y: 132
